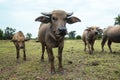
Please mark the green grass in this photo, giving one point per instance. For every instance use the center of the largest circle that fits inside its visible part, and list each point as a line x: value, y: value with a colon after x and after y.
x: 78, y: 65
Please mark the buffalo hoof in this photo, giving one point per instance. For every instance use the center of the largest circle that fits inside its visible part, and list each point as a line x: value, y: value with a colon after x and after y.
x: 17, y: 58
x: 111, y: 52
x: 90, y: 52
x: 17, y: 61
x: 84, y: 49
x: 24, y: 59
x: 42, y: 60
x: 49, y: 60
x: 61, y: 70
x: 52, y: 72
x: 102, y: 52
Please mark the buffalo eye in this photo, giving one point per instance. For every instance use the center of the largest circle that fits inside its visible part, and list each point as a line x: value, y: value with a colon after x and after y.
x: 54, y: 18
x: 64, y: 19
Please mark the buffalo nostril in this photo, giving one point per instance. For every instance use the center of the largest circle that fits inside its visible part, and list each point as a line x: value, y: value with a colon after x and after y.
x: 21, y: 47
x: 62, y: 31
x: 96, y: 32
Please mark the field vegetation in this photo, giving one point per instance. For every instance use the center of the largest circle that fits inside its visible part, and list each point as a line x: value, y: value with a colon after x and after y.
x: 78, y: 65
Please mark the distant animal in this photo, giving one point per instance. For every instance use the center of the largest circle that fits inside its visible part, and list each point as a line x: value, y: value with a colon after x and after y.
x: 19, y: 42
x: 51, y: 34
x: 110, y: 34
x: 89, y: 37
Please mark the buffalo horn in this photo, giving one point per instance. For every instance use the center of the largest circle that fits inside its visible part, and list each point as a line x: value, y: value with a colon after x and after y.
x: 46, y: 14
x: 69, y: 14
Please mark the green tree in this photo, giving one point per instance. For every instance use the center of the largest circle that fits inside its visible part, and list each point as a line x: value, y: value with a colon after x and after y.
x: 1, y: 34
x: 117, y: 20
x: 28, y: 36
x: 78, y: 37
x: 72, y: 34
x: 9, y: 32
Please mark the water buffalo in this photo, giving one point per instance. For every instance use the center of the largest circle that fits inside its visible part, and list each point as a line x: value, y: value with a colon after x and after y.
x: 19, y: 42
x: 51, y: 34
x: 112, y: 34
x: 89, y: 36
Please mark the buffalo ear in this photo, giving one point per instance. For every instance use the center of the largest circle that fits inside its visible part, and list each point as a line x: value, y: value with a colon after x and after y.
x: 72, y: 20
x: 43, y: 19
x: 88, y: 29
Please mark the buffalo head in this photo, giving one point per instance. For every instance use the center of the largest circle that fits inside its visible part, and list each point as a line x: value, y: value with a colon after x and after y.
x: 58, y: 20
x: 94, y: 30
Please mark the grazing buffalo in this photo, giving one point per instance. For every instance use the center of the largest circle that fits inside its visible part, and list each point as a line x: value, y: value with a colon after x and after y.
x: 19, y: 42
x: 51, y: 34
x: 112, y: 34
x: 89, y: 36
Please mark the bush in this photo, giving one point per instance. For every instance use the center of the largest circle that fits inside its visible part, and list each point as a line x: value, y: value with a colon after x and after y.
x: 78, y: 37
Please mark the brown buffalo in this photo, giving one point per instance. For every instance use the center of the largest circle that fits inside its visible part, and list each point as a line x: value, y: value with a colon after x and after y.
x: 51, y: 34
x: 112, y: 34
x: 19, y: 42
x: 89, y: 36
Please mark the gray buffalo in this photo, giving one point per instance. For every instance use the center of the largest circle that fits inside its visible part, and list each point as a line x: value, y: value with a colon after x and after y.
x: 89, y: 37
x: 19, y: 42
x: 51, y: 34
x: 112, y: 34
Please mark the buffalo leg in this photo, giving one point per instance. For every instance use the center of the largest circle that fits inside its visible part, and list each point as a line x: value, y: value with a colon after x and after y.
x: 51, y: 56
x: 109, y: 45
x: 17, y: 52
x: 85, y: 46
x: 92, y: 46
x: 89, y: 48
x: 60, y: 49
x: 103, y: 42
x: 24, y: 55
x: 43, y: 50
x: 48, y: 55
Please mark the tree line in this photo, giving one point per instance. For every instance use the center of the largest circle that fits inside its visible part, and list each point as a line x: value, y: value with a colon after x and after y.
x: 9, y: 32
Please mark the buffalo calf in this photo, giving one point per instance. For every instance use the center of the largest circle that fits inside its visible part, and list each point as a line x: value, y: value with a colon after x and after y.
x: 89, y: 36
x: 19, y: 42
x: 51, y: 34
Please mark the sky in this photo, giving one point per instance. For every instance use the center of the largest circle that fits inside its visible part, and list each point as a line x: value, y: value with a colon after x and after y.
x: 20, y: 14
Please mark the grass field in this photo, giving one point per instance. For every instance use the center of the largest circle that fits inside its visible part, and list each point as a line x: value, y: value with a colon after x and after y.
x: 78, y: 65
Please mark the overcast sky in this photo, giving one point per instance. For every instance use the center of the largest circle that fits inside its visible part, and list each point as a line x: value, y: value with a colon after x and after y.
x: 20, y: 14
